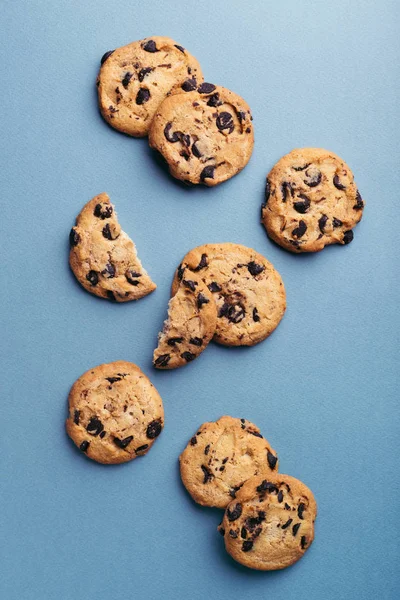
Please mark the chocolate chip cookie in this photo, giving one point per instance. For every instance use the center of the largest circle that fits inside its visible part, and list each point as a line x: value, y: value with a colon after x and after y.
x: 205, y: 134
x: 311, y: 201
x: 192, y: 318
x: 115, y: 413
x: 248, y: 291
x: 102, y: 256
x: 135, y: 79
x: 270, y: 524
x: 221, y: 456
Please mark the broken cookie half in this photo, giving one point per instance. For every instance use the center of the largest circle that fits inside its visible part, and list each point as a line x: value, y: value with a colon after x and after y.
x: 191, y: 322
x: 103, y: 258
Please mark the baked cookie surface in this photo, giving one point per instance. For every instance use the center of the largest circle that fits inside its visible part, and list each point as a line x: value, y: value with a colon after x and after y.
x: 115, y: 413
x: 103, y: 258
x: 311, y: 201
x: 205, y: 135
x: 270, y: 524
x: 248, y: 291
x: 221, y: 457
x: 192, y: 318
x: 134, y: 80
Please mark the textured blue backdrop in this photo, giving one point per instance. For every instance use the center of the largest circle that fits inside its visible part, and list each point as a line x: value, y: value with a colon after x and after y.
x: 323, y: 388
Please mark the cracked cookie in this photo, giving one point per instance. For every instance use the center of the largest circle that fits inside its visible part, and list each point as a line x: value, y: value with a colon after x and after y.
x: 205, y: 134
x: 103, y: 258
x: 135, y: 79
x: 270, y: 524
x: 192, y: 317
x: 248, y: 291
x: 115, y: 413
x: 221, y: 457
x: 311, y: 201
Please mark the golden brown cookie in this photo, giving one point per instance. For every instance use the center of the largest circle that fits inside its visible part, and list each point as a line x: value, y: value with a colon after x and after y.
x: 192, y: 317
x: 135, y: 79
x: 221, y: 457
x: 205, y: 135
x: 115, y: 413
x: 248, y: 291
x: 270, y: 524
x: 103, y: 257
x: 311, y: 201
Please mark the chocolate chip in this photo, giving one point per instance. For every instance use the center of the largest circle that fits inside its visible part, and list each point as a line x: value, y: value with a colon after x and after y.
x: 76, y: 417
x: 105, y: 56
x: 266, y: 486
x: 337, y: 222
x: 214, y: 100
x: 303, y: 542
x: 301, y: 168
x: 206, y: 88
x: 181, y: 48
x: 196, y: 341
x: 214, y: 287
x: 299, y: 231
x: 314, y: 177
x: 256, y: 316
x: 108, y: 233
x: 142, y: 96
x: 207, y: 474
x: 74, y: 238
x: 174, y: 340
x: 95, y: 426
x: 247, y: 545
x: 348, y: 237
x: 287, y: 507
x: 162, y: 360
x: 272, y: 460
x: 337, y: 184
x: 109, y: 271
x: 221, y: 530
x: 322, y: 222
x: 141, y: 448
x: 280, y: 496
x: 359, y: 202
x: 150, y: 46
x: 154, y: 429
x: 193, y: 441
x: 301, y: 509
x: 207, y: 449
x: 225, y: 121
x: 255, y: 433
x: 201, y: 299
x: 103, y: 211
x: 127, y: 77
x: 234, y: 512
x: 295, y: 528
x: 180, y: 272
x: 286, y: 189
x: 123, y: 443
x: 207, y: 172
x: 241, y: 115
x: 143, y: 72
x: 254, y: 268
x: 189, y: 85
x: 93, y: 278
x: 103, y: 434
x: 113, y: 379
x: 303, y: 205
x: 190, y: 284
x: 196, y: 151
x: 84, y: 446
x: 132, y: 276
x: 188, y: 356
x: 288, y: 522
x: 252, y: 522
x: 233, y: 534
x: 111, y: 296
x: 243, y: 532
x: 171, y: 138
x: 233, y: 312
x: 202, y: 264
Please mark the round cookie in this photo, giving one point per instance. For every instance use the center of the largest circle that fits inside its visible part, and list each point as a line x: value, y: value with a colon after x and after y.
x: 248, y: 291
x: 221, y: 457
x: 192, y: 317
x: 311, y: 201
x: 103, y: 258
x: 205, y: 135
x: 115, y: 413
x: 270, y: 524
x: 135, y: 79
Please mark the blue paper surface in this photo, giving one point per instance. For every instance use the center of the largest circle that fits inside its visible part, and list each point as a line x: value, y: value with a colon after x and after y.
x: 323, y: 388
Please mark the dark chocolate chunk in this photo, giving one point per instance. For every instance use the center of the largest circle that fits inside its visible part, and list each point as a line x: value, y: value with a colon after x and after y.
x: 286, y: 189
x: 241, y: 115
x: 181, y: 48
x: 74, y: 238
x: 189, y: 85
x: 254, y: 268
x: 301, y: 509
x: 150, y: 46
x: 255, y: 433
x: 105, y: 56
x: 188, y: 356
x: 111, y: 296
x: 225, y: 121
x: 193, y: 441
x: 127, y: 77
x: 348, y: 237
x: 303, y: 205
x: 207, y: 449
x: 190, y: 284
x: 113, y: 379
x: 214, y: 100
x: 233, y: 312
x: 266, y: 486
x: 84, y: 446
x: 174, y: 340
x: 299, y: 231
x: 243, y: 532
x: 253, y: 522
x: 359, y: 202
x: 322, y: 222
x: 214, y: 287
x: 280, y: 496
x: 103, y: 434
x: 288, y: 522
x: 206, y: 88
x: 76, y: 417
x: 314, y: 177
x: 272, y: 460
x: 143, y: 72
x: 162, y: 360
x: 256, y: 316
x: 287, y: 507
x: 221, y: 530
x: 93, y: 278
x: 141, y: 448
x: 201, y: 299
x: 109, y: 271
x: 233, y: 533
x: 103, y: 211
x: 108, y: 233
x: 207, y: 474
x: 337, y: 184
x: 180, y: 272
x: 203, y: 263
x: 95, y: 426
x: 142, y: 96
x: 196, y: 341
x: 234, y: 512
x: 247, y: 545
x: 303, y: 542
x: 132, y: 277
x: 301, y: 168
x: 171, y: 138
x: 154, y: 429
x: 267, y: 192
x: 295, y: 528
x: 207, y: 172
x: 196, y: 151
x: 337, y: 222
x: 123, y: 443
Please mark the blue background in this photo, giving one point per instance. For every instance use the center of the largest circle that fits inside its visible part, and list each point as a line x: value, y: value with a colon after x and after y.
x: 323, y: 388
